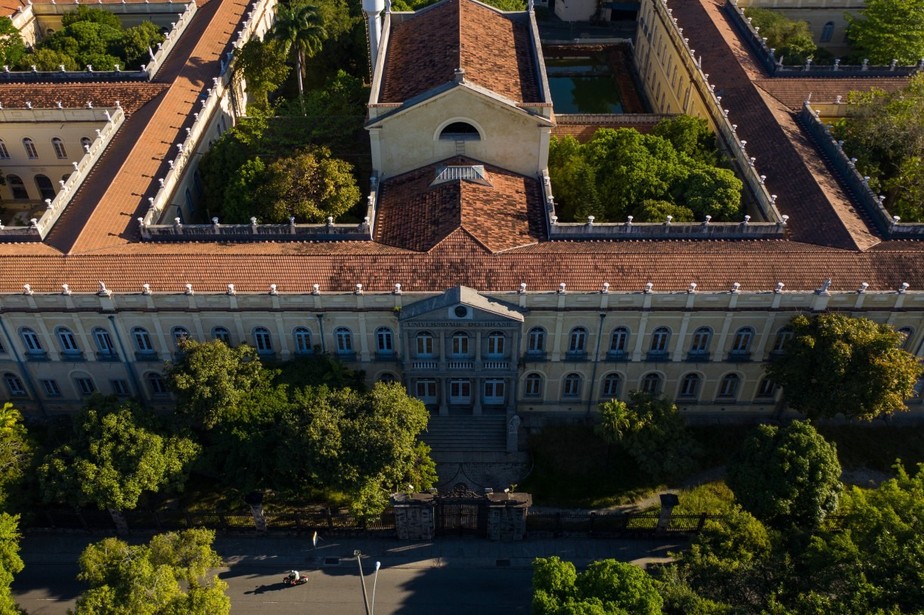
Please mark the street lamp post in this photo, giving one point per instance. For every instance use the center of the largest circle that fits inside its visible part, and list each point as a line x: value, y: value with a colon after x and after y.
x: 370, y: 609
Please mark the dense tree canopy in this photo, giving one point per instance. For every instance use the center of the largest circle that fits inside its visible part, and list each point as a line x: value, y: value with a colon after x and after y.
x: 12, y: 47
x: 618, y: 173
x: 93, y: 37
x: 885, y: 133
x: 786, y: 477
x: 171, y: 574
x: 889, y: 30
x: 605, y: 587
x: 792, y: 39
x: 309, y: 186
x: 652, y: 431
x: 300, y: 29
x: 117, y: 453
x: 263, y: 66
x: 867, y: 560
x: 837, y: 364
x: 15, y: 450
x: 10, y: 562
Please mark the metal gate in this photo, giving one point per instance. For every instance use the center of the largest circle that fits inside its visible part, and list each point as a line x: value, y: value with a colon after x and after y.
x: 461, y: 511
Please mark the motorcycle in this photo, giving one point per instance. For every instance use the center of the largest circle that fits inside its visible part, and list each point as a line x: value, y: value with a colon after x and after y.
x: 291, y: 581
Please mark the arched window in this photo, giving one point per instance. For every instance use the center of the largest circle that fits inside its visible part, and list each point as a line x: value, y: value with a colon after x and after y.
x: 222, y: 335
x: 571, y: 387
x: 17, y: 187
x: 460, y: 344
x: 728, y: 386
x: 156, y: 384
x: 85, y: 143
x: 302, y: 340
x: 180, y: 335
x: 460, y: 131
x: 344, y: 339
x: 58, y: 146
x: 142, y: 340
x: 84, y: 384
x: 387, y: 378
x: 619, y: 342
x: 577, y: 341
x: 424, y: 344
x: 496, y: 343
x: 782, y: 338
x: 612, y: 384
x: 46, y: 190
x: 741, y: 344
x: 104, y: 348
x: 29, y: 146
x: 689, y: 386
x: 384, y: 341
x: 535, y: 341
x: 652, y: 383
x: 827, y: 32
x: 766, y: 389
x: 31, y: 341
x: 659, y: 339
x: 14, y: 385
x: 262, y: 340
x: 699, y: 346
x: 67, y: 340
x: 4, y: 153
x: 533, y: 386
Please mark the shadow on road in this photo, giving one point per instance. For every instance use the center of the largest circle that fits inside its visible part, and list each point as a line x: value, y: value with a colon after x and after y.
x: 262, y: 589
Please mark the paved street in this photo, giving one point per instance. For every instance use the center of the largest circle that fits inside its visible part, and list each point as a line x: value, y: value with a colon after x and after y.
x: 450, y: 576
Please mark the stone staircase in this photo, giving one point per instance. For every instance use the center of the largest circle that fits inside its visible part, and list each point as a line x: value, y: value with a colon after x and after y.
x: 466, y: 434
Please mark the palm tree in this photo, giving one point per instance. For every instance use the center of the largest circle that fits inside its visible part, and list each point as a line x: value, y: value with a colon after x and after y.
x: 299, y: 26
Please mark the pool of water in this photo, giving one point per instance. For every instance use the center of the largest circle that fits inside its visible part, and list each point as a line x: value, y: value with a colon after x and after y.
x: 584, y: 94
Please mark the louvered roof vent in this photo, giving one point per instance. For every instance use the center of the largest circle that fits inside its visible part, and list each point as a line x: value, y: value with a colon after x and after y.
x: 471, y: 173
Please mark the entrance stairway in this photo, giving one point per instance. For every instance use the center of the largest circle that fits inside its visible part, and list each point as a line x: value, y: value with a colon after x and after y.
x: 466, y: 434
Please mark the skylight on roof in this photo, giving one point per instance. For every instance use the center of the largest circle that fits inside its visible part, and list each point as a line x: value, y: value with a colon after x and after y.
x: 474, y: 173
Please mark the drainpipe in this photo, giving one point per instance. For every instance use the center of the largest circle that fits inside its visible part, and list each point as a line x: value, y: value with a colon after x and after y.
x: 22, y: 367
x: 593, y: 372
x: 128, y: 364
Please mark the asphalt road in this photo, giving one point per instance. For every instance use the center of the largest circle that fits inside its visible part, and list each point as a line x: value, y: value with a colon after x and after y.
x: 447, y: 576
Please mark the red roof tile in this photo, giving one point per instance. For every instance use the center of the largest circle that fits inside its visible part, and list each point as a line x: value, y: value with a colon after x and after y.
x: 425, y: 48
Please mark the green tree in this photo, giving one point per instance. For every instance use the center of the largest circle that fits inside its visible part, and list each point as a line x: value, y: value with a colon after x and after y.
x: 170, y: 574
x: 15, y: 450
x: 606, y: 587
x: 12, y: 47
x: 791, y: 38
x: 652, y: 210
x: 364, y: 445
x: 263, y: 66
x: 299, y: 27
x: 309, y: 186
x: 887, y: 30
x: 838, y: 364
x: 135, y: 43
x: 711, y: 191
x: 10, y: 562
x: 786, y: 477
x: 212, y: 380
x: 691, y: 136
x: 652, y: 431
x: 117, y: 453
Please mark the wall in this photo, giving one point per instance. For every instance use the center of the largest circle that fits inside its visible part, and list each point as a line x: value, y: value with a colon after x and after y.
x: 681, y: 312
x: 511, y: 139
x: 817, y: 13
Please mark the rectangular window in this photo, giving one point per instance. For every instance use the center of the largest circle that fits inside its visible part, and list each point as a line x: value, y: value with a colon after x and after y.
x: 494, y: 391
x: 51, y: 388
x: 425, y: 390
x: 85, y: 386
x: 460, y: 391
x: 119, y: 387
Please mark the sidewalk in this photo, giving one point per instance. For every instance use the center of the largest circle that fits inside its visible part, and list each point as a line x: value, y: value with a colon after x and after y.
x: 461, y: 552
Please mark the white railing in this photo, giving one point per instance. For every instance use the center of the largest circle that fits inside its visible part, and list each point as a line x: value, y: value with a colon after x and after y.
x: 496, y: 365
x: 425, y: 365
x: 460, y: 365
x: 39, y: 227
x: 166, y: 46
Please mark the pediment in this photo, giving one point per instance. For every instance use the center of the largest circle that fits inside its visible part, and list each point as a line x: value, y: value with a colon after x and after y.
x: 461, y: 307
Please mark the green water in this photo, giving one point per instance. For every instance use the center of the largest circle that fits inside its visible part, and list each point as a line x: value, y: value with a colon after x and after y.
x: 585, y: 94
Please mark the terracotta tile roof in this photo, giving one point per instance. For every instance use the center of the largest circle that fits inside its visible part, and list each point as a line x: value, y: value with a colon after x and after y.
x: 820, y: 211
x: 425, y: 49
x: 8, y: 7
x: 104, y: 210
x: 131, y: 95
x: 415, y: 215
x: 793, y: 92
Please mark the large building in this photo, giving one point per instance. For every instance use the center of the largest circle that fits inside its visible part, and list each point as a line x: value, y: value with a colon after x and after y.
x: 461, y: 283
